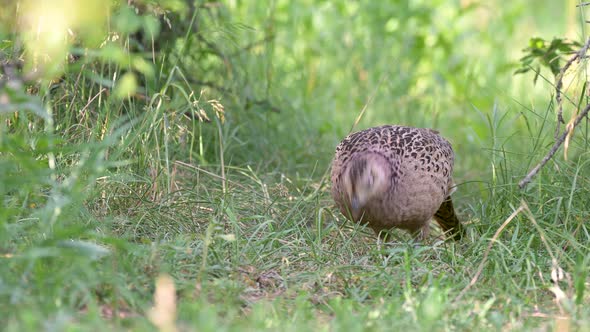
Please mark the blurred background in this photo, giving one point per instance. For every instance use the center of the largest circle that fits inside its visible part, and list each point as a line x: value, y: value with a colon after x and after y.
x: 291, y: 78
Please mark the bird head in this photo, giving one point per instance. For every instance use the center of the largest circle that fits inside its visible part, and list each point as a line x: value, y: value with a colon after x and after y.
x: 367, y: 178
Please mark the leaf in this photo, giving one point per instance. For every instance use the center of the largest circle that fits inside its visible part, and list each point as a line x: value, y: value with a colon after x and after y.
x: 151, y: 26
x: 522, y: 70
x: 126, y: 86
x: 98, y: 78
x: 537, y: 73
x: 143, y: 66
x: 127, y: 21
x: 114, y: 53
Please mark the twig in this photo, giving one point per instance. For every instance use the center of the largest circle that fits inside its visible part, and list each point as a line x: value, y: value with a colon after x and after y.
x: 559, y: 84
x: 91, y: 100
x: 554, y: 149
x: 581, y: 54
x: 487, y: 252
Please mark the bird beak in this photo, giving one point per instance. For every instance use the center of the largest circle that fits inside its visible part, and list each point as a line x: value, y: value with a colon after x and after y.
x: 355, y: 205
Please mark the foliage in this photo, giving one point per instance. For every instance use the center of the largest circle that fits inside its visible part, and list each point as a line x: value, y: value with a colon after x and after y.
x: 192, y: 139
x: 547, y: 54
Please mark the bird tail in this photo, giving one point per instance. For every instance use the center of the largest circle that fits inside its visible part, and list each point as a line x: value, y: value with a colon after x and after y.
x: 448, y: 221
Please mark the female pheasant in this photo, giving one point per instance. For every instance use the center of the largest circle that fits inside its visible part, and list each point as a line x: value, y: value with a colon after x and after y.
x: 396, y: 177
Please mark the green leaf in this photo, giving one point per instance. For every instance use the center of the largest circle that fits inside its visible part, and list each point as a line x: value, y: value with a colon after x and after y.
x: 127, y: 21
x: 537, y: 73
x: 114, y: 53
x: 143, y: 66
x: 151, y: 26
x: 126, y: 86
x: 522, y: 70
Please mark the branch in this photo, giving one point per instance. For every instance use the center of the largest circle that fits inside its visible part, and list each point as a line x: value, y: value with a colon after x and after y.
x: 559, y: 84
x: 554, y: 149
x: 581, y: 54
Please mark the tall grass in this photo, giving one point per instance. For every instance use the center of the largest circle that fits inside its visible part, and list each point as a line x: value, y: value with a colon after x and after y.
x: 195, y: 143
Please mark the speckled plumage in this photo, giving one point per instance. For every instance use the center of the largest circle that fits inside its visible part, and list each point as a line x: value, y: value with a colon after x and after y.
x: 395, y: 177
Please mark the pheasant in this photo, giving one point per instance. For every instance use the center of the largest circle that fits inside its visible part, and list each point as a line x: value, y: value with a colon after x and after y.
x: 396, y: 177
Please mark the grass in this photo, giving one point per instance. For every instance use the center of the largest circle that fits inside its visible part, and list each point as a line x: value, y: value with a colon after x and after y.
x: 104, y: 198
x: 275, y: 255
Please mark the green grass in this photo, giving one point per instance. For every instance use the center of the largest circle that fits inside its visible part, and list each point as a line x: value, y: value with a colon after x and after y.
x: 291, y: 263
x: 103, y: 196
